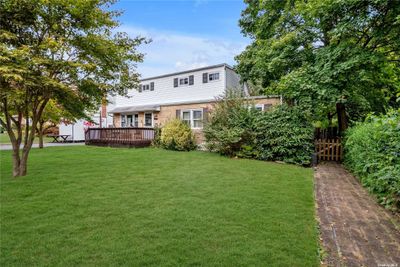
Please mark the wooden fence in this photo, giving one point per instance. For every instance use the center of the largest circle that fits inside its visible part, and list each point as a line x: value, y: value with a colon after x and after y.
x: 329, y: 149
x: 131, y: 137
x: 328, y: 133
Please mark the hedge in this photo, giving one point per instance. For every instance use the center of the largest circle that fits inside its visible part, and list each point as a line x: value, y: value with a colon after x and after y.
x: 281, y: 134
x: 372, y: 152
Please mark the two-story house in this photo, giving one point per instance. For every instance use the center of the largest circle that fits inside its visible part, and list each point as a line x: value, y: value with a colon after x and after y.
x: 187, y: 95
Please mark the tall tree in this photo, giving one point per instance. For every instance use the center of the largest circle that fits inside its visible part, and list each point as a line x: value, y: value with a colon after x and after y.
x: 64, y: 51
x: 333, y: 56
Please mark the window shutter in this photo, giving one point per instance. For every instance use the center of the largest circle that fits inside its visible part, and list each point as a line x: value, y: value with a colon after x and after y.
x: 267, y: 106
x: 191, y: 79
x: 140, y: 88
x: 178, y: 113
x: 152, y: 86
x: 205, y: 77
x: 175, y: 82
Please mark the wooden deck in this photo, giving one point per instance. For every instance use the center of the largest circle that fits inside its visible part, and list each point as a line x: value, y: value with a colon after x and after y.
x: 120, y: 137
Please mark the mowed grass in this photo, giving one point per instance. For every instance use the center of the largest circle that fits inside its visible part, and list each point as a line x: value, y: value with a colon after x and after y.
x: 151, y: 207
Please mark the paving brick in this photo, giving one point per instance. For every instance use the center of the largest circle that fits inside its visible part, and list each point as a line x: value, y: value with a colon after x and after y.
x: 355, y: 230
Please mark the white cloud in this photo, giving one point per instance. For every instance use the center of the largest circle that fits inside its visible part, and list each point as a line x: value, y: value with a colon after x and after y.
x: 171, y: 51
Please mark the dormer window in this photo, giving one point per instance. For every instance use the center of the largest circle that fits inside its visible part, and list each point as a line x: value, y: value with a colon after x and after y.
x: 184, y: 81
x: 146, y: 87
x: 210, y: 77
x: 213, y: 76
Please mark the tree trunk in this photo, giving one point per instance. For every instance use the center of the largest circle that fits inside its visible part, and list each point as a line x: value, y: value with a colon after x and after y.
x: 342, y: 118
x: 20, y: 161
x: 23, y: 159
x: 16, y: 161
x: 40, y: 133
x: 23, y: 162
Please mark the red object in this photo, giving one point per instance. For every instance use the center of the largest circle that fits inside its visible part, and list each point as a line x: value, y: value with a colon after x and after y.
x: 103, y: 111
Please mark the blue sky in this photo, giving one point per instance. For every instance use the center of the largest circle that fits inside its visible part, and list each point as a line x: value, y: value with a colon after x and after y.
x: 186, y: 34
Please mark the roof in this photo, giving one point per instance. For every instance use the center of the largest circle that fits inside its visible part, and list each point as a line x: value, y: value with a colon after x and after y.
x: 188, y: 71
x: 128, y: 109
x: 135, y: 109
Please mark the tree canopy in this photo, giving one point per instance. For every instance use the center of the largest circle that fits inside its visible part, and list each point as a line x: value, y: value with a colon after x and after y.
x: 66, y: 51
x: 331, y: 56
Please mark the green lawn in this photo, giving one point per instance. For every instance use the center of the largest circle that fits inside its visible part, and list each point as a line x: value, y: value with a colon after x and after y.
x: 4, y: 139
x: 150, y: 207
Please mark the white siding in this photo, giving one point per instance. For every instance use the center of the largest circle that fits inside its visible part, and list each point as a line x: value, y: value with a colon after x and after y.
x: 232, y: 80
x: 76, y: 130
x: 165, y: 92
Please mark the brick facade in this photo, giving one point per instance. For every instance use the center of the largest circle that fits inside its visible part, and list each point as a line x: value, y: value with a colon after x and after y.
x: 168, y: 112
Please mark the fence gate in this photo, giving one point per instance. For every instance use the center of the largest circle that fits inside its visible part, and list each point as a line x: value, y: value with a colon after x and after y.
x: 329, y: 149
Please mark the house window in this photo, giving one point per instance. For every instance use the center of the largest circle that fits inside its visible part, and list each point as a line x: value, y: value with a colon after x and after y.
x: 197, y: 119
x: 129, y: 121
x: 193, y: 117
x: 147, y: 87
x: 213, y: 76
x: 136, y: 120
x: 123, y: 121
x: 148, y: 119
x: 259, y: 107
x: 186, y: 117
x: 184, y: 81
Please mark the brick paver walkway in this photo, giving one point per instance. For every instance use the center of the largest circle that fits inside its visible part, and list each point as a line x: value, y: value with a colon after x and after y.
x: 355, y: 230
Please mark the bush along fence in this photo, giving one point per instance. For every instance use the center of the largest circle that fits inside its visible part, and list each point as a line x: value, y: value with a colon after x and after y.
x: 372, y: 152
x: 281, y: 134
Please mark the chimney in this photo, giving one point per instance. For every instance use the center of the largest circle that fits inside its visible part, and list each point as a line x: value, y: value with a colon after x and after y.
x: 104, y: 110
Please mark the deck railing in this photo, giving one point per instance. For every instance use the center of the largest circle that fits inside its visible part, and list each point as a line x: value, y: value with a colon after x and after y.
x: 130, y: 136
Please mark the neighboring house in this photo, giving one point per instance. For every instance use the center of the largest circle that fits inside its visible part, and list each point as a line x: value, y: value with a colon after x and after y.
x: 187, y: 95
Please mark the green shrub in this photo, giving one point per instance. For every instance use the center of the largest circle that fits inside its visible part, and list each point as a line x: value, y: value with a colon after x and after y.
x: 229, y: 126
x: 283, y: 134
x: 177, y: 135
x: 157, y: 137
x: 372, y: 152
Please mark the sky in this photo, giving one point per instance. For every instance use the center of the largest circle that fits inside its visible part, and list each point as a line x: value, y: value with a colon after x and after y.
x: 185, y: 34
